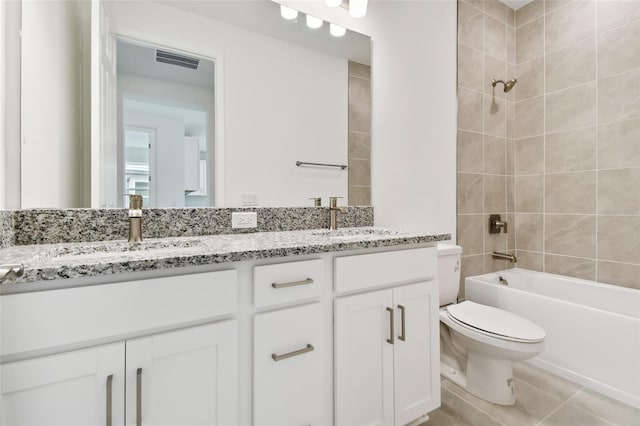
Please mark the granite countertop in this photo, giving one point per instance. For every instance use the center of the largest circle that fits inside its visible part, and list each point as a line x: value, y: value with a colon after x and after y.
x: 75, y: 260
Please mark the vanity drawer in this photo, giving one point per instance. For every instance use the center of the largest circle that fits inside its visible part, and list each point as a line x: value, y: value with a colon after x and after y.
x: 288, y: 366
x: 287, y: 282
x: 365, y: 271
x: 48, y: 319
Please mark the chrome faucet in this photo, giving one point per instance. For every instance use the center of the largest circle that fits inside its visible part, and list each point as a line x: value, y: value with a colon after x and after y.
x: 504, y: 256
x: 135, y: 218
x: 333, y: 213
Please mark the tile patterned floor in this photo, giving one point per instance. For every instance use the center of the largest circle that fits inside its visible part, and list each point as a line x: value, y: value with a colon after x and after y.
x: 542, y: 399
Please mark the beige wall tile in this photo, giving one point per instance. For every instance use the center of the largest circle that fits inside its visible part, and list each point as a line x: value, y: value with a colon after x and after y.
x: 530, y: 41
x: 569, y: 24
x: 618, y: 238
x: 571, y: 108
x: 495, y: 265
x: 359, y: 172
x: 470, y: 234
x: 494, y: 155
x: 511, y: 157
x: 530, y: 79
x: 618, y: 144
x: 495, y: 194
x: 359, y: 70
x: 614, y: 13
x: 359, y: 91
x: 511, y: 234
x: 529, y: 231
x: 529, y: 117
x: 618, y: 50
x: 360, y: 118
x: 571, y: 65
x: 495, y: 116
x: 470, y: 193
x: 495, y: 38
x: 529, y: 12
x: 511, y: 195
x: 511, y: 17
x: 551, y: 5
x: 359, y: 195
x: 623, y: 274
x: 529, y: 156
x: 529, y: 194
x: 494, y: 69
x: 470, y: 147
x: 571, y: 150
x: 496, y: 9
x: 511, y: 45
x: 470, y: 266
x: 573, y: 193
x: 470, y: 26
x: 360, y: 145
x: 469, y: 68
x: 470, y: 110
x: 571, y: 235
x: 570, y: 266
x: 530, y: 260
x: 511, y: 120
x: 619, y: 191
x: 619, y: 97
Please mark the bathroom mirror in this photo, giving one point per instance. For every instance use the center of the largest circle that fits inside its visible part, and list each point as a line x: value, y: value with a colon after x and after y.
x: 280, y: 95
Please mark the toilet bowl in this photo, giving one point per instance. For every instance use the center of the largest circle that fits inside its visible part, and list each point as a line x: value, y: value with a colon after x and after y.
x: 478, y: 343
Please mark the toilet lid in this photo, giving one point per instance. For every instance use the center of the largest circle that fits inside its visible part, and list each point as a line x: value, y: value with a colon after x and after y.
x: 495, y: 321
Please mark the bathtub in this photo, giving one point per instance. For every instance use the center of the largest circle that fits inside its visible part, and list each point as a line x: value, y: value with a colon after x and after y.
x: 593, y: 329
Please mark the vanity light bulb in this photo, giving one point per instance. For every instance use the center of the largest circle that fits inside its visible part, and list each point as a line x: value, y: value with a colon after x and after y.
x: 313, y: 22
x: 333, y: 3
x: 337, y: 30
x: 288, y: 13
x: 357, y: 8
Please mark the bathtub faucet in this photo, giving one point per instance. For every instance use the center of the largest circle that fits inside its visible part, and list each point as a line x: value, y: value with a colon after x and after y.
x: 504, y: 256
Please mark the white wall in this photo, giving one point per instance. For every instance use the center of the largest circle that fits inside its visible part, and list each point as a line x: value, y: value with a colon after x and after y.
x: 52, y: 167
x: 272, y: 117
x: 413, y: 163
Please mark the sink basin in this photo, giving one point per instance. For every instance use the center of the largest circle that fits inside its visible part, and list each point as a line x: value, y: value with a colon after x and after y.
x: 356, y: 233
x: 104, y: 248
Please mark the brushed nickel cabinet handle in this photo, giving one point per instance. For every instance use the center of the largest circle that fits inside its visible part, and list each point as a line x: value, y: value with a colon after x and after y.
x: 292, y: 283
x: 391, y: 326
x: 109, y: 399
x: 304, y: 350
x: 402, y: 335
x: 139, y: 397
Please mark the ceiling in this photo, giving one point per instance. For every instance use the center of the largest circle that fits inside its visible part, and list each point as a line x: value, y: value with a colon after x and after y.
x: 516, y: 4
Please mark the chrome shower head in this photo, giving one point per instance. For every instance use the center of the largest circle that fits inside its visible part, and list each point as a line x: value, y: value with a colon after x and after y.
x: 507, y: 86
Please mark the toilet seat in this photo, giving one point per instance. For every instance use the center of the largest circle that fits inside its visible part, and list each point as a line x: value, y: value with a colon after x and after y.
x: 495, y: 322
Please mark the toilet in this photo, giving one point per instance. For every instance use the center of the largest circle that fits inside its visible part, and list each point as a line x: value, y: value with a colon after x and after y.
x: 477, y: 342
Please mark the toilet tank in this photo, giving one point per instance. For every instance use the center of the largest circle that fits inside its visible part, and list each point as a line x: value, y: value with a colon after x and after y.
x: 449, y: 272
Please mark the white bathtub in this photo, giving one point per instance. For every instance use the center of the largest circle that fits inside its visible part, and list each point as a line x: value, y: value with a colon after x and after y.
x: 593, y: 330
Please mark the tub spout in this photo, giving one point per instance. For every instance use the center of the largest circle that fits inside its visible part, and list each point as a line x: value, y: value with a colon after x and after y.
x: 504, y: 256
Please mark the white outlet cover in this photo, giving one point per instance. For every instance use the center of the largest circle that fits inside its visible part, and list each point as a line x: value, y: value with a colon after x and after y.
x: 244, y: 220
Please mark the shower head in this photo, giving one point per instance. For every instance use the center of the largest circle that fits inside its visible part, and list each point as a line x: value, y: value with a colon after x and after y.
x: 507, y: 85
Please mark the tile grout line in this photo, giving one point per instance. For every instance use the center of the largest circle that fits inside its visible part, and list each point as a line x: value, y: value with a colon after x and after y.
x: 544, y: 138
x: 565, y: 402
x: 597, y: 133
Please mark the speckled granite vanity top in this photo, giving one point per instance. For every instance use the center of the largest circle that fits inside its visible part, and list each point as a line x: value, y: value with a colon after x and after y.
x: 74, y: 260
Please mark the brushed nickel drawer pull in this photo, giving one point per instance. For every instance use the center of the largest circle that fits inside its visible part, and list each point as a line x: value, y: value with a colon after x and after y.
x: 139, y: 397
x: 403, y: 335
x: 391, y: 325
x: 292, y: 283
x: 109, y: 399
x: 308, y: 348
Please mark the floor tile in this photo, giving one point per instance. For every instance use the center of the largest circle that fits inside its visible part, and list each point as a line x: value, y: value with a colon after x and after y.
x: 606, y: 408
x: 568, y: 415
x: 543, y: 380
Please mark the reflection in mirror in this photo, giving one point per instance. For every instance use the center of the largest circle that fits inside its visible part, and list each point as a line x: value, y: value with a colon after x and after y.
x: 280, y: 93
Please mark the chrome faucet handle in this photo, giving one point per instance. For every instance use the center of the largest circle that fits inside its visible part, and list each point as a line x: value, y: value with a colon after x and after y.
x: 317, y: 201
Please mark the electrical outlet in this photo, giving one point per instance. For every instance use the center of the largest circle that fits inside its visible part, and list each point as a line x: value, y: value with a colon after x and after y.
x: 244, y: 220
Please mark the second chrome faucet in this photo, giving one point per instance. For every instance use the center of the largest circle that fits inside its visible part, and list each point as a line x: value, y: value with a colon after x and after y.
x: 333, y: 213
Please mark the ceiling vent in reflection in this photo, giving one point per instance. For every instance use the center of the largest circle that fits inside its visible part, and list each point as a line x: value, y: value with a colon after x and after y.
x: 177, y: 59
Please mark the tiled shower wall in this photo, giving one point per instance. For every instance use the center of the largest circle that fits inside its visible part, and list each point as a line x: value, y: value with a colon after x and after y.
x: 359, y: 134
x: 577, y: 139
x: 560, y: 154
x: 486, y: 51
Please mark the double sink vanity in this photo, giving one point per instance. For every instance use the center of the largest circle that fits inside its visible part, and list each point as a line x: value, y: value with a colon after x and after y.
x: 303, y: 327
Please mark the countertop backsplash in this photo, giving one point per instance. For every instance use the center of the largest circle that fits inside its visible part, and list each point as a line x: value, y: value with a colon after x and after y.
x: 48, y: 226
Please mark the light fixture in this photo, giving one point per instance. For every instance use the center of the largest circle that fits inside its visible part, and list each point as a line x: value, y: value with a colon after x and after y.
x: 337, y: 30
x: 313, y: 22
x: 288, y: 13
x: 357, y: 8
x: 333, y: 3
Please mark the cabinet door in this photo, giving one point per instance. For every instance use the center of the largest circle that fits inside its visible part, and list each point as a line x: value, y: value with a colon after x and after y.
x: 67, y: 389
x: 417, y: 354
x: 289, y: 367
x: 186, y: 377
x: 363, y: 360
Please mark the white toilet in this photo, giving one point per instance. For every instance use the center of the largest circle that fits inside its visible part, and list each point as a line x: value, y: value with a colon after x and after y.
x: 479, y: 342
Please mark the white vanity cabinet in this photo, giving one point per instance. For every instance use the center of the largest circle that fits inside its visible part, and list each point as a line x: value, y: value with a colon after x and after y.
x: 386, y: 340
x: 186, y: 375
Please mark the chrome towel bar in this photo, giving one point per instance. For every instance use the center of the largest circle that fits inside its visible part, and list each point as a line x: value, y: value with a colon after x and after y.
x: 304, y: 163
